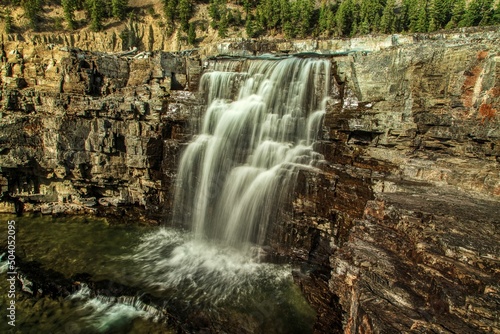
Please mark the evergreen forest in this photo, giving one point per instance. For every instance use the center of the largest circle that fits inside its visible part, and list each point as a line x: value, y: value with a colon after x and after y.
x: 289, y: 18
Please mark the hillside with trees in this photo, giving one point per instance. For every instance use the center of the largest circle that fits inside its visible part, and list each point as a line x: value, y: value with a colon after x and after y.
x: 254, y: 18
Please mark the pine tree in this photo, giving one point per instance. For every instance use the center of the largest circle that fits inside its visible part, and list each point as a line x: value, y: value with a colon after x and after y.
x: 287, y: 13
x: 442, y: 12
x: 214, y: 11
x: 249, y: 26
x: 69, y: 7
x: 238, y: 19
x: 96, y: 15
x: 192, y: 34
x: 432, y: 25
x: 295, y: 14
x: 388, y: 20
x: 32, y: 10
x: 422, y: 22
x: 496, y: 14
x: 457, y: 14
x: 346, y: 18
x: 223, y: 26
x: 184, y: 9
x: 323, y: 24
x: 431, y: 16
x: 479, y: 12
x: 304, y: 10
x: 8, y: 21
x: 331, y: 19
x: 412, y: 11
x: 119, y: 8
x: 354, y: 29
x: 487, y: 13
x: 246, y: 6
x: 369, y: 15
x: 169, y: 7
x: 285, y: 16
x: 271, y: 10
x: 365, y: 27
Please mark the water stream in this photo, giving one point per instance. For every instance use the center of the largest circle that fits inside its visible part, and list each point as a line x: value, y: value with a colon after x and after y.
x: 261, y: 120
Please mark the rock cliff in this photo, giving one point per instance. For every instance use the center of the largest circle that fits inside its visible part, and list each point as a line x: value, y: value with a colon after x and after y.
x: 403, y: 221
x: 397, y: 233
x: 84, y: 130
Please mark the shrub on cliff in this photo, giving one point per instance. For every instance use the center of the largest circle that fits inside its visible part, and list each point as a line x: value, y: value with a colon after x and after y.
x: 8, y: 21
x: 69, y: 7
x: 192, y: 34
x: 119, y: 8
x: 96, y: 14
x: 32, y: 10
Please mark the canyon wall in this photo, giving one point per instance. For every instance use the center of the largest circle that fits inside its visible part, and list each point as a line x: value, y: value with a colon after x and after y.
x: 86, y: 131
x: 403, y: 220
x: 398, y: 231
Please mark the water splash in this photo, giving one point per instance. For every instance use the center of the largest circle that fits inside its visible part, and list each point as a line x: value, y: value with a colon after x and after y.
x: 175, y: 264
x: 261, y: 121
x: 223, y: 284
x: 105, y: 313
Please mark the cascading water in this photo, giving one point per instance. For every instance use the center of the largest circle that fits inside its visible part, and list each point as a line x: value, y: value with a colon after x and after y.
x: 257, y: 133
x: 261, y: 120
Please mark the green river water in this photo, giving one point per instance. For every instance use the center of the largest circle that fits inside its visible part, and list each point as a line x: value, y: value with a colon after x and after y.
x: 190, y: 277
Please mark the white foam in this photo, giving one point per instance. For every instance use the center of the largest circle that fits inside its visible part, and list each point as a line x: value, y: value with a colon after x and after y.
x: 199, y: 270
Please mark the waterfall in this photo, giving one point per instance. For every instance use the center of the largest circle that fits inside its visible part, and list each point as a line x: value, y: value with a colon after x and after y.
x: 262, y: 117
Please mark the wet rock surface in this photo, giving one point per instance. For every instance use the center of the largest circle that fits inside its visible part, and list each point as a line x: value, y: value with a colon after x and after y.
x: 397, y: 230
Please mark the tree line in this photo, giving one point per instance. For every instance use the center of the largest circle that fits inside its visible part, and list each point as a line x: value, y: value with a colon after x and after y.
x: 347, y: 18
x: 292, y: 18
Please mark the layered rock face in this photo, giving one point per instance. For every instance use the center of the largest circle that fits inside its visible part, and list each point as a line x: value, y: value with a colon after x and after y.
x: 82, y: 130
x: 403, y: 220
x: 398, y: 231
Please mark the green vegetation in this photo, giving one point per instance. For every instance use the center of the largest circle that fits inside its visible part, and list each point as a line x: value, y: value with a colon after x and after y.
x: 96, y: 14
x: 301, y: 18
x: 192, y: 34
x: 32, y: 10
x: 8, y: 21
x: 129, y: 35
x: 347, y: 18
x: 69, y: 7
x: 291, y: 18
x: 184, y: 10
x: 119, y: 8
x: 97, y: 11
